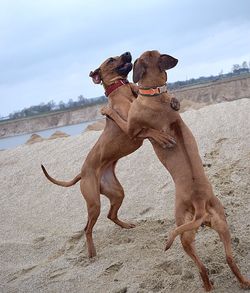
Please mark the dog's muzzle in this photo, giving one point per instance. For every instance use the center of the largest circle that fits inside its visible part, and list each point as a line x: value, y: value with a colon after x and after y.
x: 126, y: 66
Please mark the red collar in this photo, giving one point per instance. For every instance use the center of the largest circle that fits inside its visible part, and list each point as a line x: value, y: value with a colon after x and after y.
x: 114, y: 86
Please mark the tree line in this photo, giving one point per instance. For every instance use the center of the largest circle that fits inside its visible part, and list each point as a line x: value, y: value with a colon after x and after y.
x: 81, y: 101
x: 237, y: 70
x: 51, y: 106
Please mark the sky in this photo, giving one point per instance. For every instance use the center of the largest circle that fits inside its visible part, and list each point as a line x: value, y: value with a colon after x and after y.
x: 48, y: 47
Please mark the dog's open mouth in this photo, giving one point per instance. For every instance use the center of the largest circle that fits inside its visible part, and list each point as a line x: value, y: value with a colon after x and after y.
x: 124, y: 69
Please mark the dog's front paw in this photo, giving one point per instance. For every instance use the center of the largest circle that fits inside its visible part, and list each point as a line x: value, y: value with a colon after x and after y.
x: 167, y: 140
x: 163, y: 139
x: 170, y: 143
x: 175, y: 104
x: 106, y: 110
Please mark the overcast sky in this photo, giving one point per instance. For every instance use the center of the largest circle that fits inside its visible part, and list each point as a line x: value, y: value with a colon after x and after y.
x: 48, y: 47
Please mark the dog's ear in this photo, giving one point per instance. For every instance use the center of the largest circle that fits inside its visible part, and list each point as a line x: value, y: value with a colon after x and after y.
x: 139, y: 70
x: 96, y: 77
x: 167, y: 62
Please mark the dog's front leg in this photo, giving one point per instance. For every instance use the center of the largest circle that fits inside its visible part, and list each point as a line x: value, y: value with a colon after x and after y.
x: 133, y: 129
x: 125, y: 126
x: 106, y: 110
x: 162, y: 138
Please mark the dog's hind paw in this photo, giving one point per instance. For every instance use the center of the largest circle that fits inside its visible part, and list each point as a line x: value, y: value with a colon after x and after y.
x: 170, y: 240
x: 127, y: 225
x: 245, y: 284
x: 121, y: 223
x: 168, y: 245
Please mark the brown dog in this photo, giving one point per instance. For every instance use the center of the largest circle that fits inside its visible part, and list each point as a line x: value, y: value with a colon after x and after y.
x: 98, y: 171
x: 195, y: 202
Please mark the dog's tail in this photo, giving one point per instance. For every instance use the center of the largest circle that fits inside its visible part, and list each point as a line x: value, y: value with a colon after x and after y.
x: 61, y: 183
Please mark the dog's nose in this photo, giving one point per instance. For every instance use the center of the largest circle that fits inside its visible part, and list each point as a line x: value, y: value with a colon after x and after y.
x: 126, y: 57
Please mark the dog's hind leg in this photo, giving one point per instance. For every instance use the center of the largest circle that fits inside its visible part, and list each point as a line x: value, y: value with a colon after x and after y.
x: 111, y: 187
x: 220, y: 225
x: 91, y: 191
x: 187, y: 240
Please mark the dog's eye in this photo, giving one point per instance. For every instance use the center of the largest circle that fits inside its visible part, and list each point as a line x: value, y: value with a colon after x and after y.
x: 111, y: 60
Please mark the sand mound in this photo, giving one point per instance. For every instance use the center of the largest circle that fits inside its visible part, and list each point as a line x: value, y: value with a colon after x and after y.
x: 34, y: 138
x: 42, y: 246
x: 58, y: 134
x: 96, y: 126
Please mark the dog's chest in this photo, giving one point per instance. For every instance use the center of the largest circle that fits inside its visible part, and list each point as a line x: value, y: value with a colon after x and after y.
x: 157, y: 115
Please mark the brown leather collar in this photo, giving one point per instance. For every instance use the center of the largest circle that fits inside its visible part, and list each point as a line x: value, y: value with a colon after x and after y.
x: 153, y: 91
x: 109, y: 89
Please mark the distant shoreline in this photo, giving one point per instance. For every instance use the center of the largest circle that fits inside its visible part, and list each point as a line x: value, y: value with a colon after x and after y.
x: 49, y: 121
x: 226, y: 89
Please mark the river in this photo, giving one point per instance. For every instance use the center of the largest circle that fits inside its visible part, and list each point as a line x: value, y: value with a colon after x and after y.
x: 14, y: 141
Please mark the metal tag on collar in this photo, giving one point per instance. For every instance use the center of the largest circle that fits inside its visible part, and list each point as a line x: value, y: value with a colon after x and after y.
x: 162, y: 89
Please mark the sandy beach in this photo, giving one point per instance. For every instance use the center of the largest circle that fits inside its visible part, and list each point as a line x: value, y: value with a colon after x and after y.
x: 42, y: 245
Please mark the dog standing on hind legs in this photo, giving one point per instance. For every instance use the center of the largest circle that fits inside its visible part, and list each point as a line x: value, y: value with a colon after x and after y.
x: 195, y: 202
x: 98, y: 171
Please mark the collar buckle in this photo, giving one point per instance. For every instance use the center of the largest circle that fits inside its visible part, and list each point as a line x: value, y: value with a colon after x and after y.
x: 153, y: 91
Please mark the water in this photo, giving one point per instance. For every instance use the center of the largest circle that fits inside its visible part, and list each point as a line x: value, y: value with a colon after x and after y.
x: 14, y: 141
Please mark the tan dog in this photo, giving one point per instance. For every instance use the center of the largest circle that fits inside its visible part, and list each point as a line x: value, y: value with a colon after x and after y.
x: 98, y: 171
x: 195, y: 202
